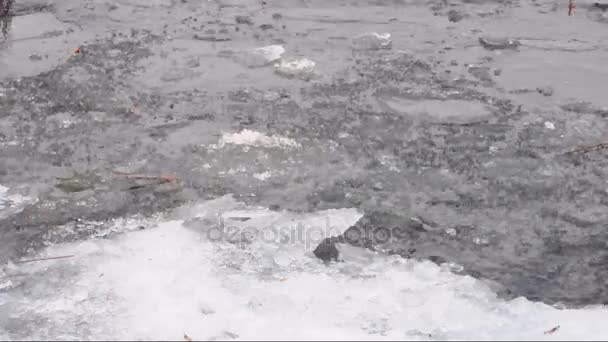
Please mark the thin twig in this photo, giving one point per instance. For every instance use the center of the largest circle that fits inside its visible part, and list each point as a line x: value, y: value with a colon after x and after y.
x: 589, y: 148
x: 552, y: 330
x: 44, y: 259
x: 164, y: 179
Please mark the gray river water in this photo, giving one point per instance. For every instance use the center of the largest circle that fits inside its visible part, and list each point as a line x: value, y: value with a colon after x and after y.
x: 449, y: 134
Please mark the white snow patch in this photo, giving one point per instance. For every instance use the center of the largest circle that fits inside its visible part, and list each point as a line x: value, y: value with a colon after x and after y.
x: 257, y: 139
x: 549, y: 125
x: 172, y: 280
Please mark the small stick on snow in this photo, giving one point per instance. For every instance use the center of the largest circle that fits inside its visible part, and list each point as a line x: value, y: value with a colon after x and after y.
x: 165, y: 179
x: 552, y: 330
x: 44, y: 259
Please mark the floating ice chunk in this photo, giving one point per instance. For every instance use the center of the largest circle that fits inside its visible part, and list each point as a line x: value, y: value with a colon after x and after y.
x: 253, y: 138
x: 302, y: 68
x: 549, y: 125
x: 372, y: 41
x: 262, y: 56
x: 11, y: 203
x: 263, y: 176
x: 498, y: 43
x: 270, y: 53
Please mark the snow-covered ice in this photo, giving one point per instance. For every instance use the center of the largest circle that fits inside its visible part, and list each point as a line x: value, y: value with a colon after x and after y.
x: 177, y: 278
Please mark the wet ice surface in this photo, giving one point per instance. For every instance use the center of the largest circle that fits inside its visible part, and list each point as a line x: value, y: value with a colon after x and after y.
x: 392, y: 108
x: 174, y: 278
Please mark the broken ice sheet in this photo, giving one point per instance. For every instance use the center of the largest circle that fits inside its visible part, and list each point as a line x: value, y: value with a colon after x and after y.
x: 162, y: 282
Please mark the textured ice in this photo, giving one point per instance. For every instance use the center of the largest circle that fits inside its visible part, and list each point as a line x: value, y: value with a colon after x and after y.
x: 174, y: 279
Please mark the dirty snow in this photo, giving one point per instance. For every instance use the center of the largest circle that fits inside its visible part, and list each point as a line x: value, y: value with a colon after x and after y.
x: 175, y: 278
